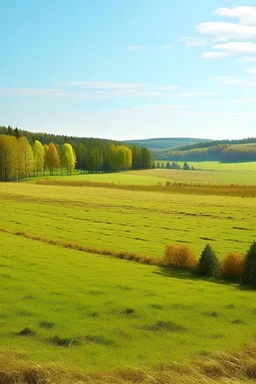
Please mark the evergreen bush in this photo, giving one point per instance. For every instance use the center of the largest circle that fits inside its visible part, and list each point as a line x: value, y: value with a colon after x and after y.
x: 208, y: 264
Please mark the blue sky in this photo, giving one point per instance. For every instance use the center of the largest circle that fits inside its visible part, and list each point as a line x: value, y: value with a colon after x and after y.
x: 126, y: 69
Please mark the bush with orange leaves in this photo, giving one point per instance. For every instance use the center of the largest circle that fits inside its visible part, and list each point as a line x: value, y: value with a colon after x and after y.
x: 232, y: 267
x: 179, y: 256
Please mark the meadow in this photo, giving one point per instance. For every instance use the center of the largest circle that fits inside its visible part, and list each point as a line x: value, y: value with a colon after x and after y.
x: 129, y: 220
x: 204, y: 173
x: 99, y: 313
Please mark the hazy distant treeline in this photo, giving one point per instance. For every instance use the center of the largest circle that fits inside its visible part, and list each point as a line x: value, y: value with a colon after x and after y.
x: 228, y: 153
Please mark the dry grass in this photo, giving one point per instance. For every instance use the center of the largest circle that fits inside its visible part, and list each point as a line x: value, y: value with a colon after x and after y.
x: 228, y: 368
x: 243, y: 190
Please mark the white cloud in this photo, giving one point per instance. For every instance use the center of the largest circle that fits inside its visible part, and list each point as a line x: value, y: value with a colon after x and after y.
x: 193, y: 41
x: 134, y: 48
x: 251, y: 70
x: 197, y: 94
x: 83, y: 95
x: 248, y: 59
x: 163, y: 107
x: 220, y: 31
x: 33, y: 92
x: 92, y: 91
x: 229, y: 80
x: 215, y: 55
x: 245, y: 14
x: 220, y: 78
x: 232, y: 101
x: 236, y: 47
x: 168, y: 46
x: 169, y: 88
x: 103, y: 85
x: 234, y: 82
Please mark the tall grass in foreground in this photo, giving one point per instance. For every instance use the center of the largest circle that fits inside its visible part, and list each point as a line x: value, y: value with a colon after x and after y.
x: 229, y: 368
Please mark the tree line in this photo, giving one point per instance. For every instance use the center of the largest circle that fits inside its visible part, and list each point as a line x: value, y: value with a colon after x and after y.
x: 173, y: 165
x: 225, y: 153
x: 20, y: 158
x: 213, y: 143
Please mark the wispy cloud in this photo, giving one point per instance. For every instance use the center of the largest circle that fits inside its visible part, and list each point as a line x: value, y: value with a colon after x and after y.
x: 216, y: 55
x: 197, y: 94
x: 245, y: 14
x: 236, y: 47
x: 102, y: 85
x: 248, y: 59
x: 252, y: 71
x: 34, y: 92
x: 193, y: 41
x: 169, y: 88
x: 221, y: 31
x: 229, y: 80
x: 168, y: 46
x: 98, y: 90
x: 134, y: 47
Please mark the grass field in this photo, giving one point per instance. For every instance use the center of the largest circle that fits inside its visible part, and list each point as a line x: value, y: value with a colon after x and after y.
x: 206, y: 172
x: 101, y: 313
x: 142, y: 222
x: 212, y: 172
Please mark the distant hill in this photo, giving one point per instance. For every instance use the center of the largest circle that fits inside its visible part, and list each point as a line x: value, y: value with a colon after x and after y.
x: 168, y: 143
x: 228, y: 151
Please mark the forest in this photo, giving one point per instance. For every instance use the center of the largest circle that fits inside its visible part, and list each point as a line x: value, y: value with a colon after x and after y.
x: 23, y: 155
x: 226, y: 153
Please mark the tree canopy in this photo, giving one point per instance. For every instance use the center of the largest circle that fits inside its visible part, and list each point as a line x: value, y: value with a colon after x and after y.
x: 24, y: 156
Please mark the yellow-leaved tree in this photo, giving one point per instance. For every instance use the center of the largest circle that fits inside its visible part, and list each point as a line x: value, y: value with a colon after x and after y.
x: 8, y: 158
x: 38, y: 150
x: 25, y: 158
x: 68, y: 158
x: 52, y: 158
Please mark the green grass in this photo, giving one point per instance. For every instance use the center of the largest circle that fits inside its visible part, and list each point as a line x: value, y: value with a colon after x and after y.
x: 206, y: 172
x: 211, y: 172
x: 99, y: 313
x: 142, y: 222
x: 123, y: 178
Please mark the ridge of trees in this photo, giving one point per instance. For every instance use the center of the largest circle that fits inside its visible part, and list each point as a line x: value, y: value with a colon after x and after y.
x: 226, y: 153
x: 165, y: 143
x: 24, y: 154
x: 212, y: 143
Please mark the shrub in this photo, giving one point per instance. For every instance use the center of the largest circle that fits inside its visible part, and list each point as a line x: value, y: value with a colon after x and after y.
x: 208, y: 264
x: 249, y: 275
x: 179, y: 256
x: 232, y: 267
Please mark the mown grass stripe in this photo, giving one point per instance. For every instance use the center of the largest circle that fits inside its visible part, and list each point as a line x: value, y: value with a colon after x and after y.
x: 125, y: 255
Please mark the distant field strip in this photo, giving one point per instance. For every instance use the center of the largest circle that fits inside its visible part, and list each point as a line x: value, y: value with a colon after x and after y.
x: 206, y: 172
x: 243, y: 190
x: 128, y: 221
